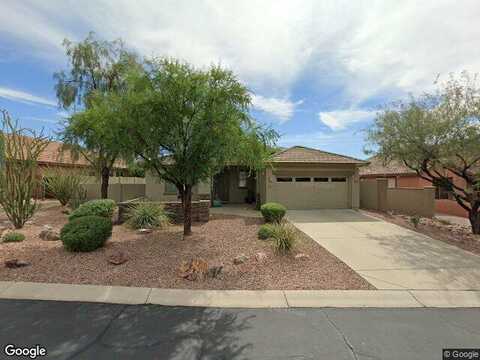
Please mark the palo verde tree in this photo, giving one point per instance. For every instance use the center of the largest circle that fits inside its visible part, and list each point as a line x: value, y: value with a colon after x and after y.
x: 438, y: 136
x: 186, y: 124
x: 20, y: 149
x: 97, y: 69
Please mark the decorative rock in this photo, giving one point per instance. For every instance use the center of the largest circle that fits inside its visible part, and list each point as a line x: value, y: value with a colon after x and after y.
x: 48, y: 234
x: 144, y: 231
x: 260, y: 256
x: 240, y: 259
x: 117, y: 258
x: 302, y: 256
x: 15, y: 263
x: 29, y: 222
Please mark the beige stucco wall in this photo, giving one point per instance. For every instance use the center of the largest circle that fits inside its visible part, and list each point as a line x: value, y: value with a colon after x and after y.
x: 311, y: 195
x: 117, y: 192
x: 155, y: 189
x: 376, y: 195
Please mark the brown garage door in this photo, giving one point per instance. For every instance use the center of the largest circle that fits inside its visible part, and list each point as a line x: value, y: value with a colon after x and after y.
x: 320, y: 192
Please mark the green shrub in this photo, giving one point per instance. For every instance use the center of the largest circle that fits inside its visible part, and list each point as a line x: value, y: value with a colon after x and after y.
x: 273, y: 212
x: 86, y: 233
x: 415, y: 220
x: 102, y: 207
x: 13, y: 237
x: 64, y: 184
x: 283, y: 236
x: 147, y: 215
x: 265, y: 232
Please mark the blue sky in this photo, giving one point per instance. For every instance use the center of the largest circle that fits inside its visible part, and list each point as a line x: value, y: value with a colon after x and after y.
x: 318, y: 70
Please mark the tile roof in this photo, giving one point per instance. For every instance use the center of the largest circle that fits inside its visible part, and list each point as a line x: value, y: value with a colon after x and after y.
x: 307, y: 155
x: 378, y: 167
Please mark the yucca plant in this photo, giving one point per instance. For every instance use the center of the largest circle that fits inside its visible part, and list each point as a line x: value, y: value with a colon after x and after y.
x: 283, y: 236
x: 147, y: 215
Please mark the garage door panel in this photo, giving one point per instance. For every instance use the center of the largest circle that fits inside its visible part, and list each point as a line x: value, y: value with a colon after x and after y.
x: 311, y: 195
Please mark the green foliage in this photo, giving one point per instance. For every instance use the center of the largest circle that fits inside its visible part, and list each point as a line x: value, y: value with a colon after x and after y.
x: 273, y: 212
x: 147, y: 215
x: 64, y: 184
x: 97, y: 69
x: 284, y: 237
x: 436, y: 135
x: 265, y: 232
x: 415, y: 220
x: 13, y: 237
x: 186, y: 142
x: 86, y: 233
x: 18, y: 173
x: 102, y: 208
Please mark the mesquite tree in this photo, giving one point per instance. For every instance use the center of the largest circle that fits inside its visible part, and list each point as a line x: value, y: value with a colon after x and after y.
x: 186, y: 124
x: 18, y: 173
x: 97, y: 68
x: 438, y: 136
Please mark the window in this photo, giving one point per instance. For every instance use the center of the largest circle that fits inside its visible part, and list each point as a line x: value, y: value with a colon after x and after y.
x: 443, y: 189
x: 284, y: 179
x: 339, y: 179
x: 170, y: 188
x: 320, y: 179
x: 242, y: 179
x: 302, y: 179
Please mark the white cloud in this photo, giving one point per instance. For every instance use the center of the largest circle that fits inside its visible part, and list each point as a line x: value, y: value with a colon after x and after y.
x: 282, y: 109
x: 22, y: 96
x: 341, y: 119
x: 365, y: 48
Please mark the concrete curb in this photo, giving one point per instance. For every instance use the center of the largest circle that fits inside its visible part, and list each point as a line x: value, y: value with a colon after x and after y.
x: 241, y: 298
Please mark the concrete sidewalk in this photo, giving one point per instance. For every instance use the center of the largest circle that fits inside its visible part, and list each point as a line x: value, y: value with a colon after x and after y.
x: 240, y: 298
x: 388, y: 256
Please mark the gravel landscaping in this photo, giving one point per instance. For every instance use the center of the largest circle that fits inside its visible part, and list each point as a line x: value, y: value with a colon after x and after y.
x: 154, y: 259
x: 454, y: 234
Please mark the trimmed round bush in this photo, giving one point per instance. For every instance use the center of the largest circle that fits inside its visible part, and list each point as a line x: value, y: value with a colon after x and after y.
x: 273, y: 212
x: 265, y: 232
x: 13, y: 237
x: 86, y: 233
x: 102, y: 207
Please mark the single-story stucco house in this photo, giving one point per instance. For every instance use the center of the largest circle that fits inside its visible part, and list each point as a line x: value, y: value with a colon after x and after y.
x: 297, y: 177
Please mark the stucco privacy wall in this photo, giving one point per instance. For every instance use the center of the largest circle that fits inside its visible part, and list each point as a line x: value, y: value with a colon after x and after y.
x: 117, y: 192
x: 156, y: 190
x: 312, y: 195
x: 375, y: 195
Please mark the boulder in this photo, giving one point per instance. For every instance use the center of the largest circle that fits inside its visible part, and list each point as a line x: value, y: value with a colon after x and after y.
x: 260, y: 256
x: 302, y: 256
x: 144, y: 231
x: 117, y: 258
x: 48, y: 234
x: 240, y: 259
x: 15, y: 263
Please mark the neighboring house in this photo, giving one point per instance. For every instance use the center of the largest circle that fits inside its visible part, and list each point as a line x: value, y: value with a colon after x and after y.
x: 400, y: 176
x: 298, y: 177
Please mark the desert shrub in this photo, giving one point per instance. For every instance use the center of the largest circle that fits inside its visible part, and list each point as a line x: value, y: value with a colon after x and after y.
x: 265, y: 231
x: 13, y: 237
x: 78, y: 198
x: 64, y: 184
x: 86, y: 233
x: 147, y: 215
x: 100, y: 207
x: 273, y: 212
x: 415, y: 220
x: 283, y: 236
x: 18, y: 181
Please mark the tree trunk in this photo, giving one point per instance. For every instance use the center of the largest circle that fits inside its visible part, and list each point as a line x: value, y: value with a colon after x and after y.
x: 187, y: 211
x: 105, y: 179
x: 474, y: 216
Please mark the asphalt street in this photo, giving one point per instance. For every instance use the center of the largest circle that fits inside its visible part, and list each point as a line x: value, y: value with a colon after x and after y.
x: 104, y: 331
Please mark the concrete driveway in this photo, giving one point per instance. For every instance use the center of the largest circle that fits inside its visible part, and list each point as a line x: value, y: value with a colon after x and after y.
x: 387, y: 255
